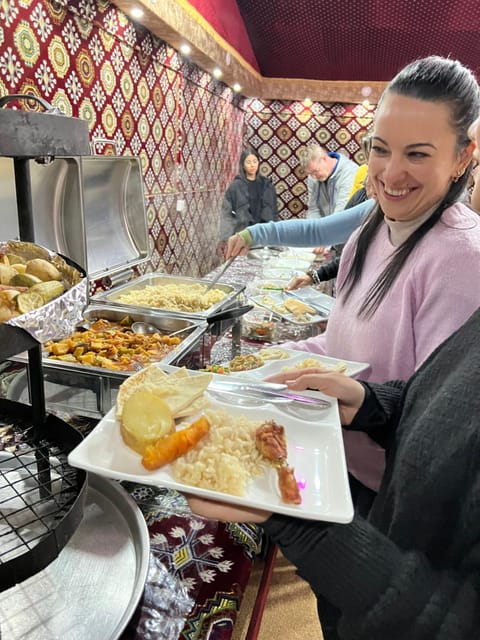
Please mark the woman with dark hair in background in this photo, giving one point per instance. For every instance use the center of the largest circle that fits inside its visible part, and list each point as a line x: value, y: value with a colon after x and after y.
x: 250, y: 198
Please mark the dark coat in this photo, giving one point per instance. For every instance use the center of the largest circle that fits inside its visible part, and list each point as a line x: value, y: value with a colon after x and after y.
x: 236, y: 212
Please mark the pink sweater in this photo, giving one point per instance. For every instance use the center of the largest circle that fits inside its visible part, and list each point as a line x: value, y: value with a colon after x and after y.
x: 435, y: 293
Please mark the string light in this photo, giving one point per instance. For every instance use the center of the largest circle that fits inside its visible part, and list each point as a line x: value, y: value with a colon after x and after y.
x: 217, y: 72
x: 237, y: 87
x: 185, y: 49
x: 136, y: 13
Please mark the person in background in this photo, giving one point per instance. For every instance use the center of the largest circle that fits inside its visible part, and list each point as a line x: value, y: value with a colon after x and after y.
x: 359, y: 179
x: 250, y: 198
x: 475, y: 193
x: 329, y: 271
x: 357, y: 194
x: 330, y: 180
x: 407, y: 566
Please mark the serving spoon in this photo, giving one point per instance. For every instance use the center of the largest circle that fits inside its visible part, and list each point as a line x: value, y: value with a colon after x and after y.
x: 145, y: 328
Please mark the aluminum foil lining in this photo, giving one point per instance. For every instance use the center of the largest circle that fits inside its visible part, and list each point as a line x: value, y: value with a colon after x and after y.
x: 57, y: 318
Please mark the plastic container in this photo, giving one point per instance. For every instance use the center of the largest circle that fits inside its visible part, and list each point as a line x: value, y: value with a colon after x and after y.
x: 258, y: 325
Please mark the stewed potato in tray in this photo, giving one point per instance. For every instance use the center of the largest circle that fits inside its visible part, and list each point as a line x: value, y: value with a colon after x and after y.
x: 170, y: 430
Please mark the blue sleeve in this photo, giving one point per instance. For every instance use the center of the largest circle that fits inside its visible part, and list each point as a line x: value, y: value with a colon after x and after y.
x: 333, y: 229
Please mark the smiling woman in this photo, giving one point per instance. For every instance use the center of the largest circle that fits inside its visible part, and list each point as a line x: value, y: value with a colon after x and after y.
x: 397, y: 297
x: 407, y: 565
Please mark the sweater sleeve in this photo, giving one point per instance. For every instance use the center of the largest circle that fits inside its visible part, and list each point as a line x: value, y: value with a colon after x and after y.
x: 328, y: 271
x: 313, y: 232
x: 382, y: 591
x: 379, y: 414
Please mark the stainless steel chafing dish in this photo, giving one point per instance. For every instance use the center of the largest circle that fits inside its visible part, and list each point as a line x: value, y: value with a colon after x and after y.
x: 155, y: 279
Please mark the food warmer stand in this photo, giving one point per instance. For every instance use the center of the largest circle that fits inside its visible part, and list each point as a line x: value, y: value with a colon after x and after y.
x: 41, y: 497
x: 52, y: 521
x: 91, y: 208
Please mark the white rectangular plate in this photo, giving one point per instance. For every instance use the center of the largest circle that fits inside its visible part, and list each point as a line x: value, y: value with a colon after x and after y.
x: 271, y: 300
x: 315, y: 450
x: 274, y: 273
x: 291, y: 262
x: 310, y: 295
x: 272, y: 367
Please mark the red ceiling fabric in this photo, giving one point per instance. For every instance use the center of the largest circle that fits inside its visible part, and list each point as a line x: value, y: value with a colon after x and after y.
x: 370, y: 40
x: 225, y: 18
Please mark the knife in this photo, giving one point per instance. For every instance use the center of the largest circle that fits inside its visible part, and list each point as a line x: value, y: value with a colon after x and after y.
x: 269, y: 396
x: 240, y: 385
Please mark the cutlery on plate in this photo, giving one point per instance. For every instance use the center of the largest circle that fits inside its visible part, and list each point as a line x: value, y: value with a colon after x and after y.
x: 239, y: 385
x: 269, y: 396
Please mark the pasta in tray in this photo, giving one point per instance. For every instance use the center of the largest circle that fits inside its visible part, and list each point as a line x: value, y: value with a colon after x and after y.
x: 174, y: 297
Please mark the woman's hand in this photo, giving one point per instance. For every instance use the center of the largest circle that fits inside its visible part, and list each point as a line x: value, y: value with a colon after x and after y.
x: 299, y: 281
x: 225, y: 512
x: 349, y: 392
x: 236, y: 246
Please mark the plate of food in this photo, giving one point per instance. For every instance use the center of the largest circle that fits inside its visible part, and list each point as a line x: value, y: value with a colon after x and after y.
x: 276, y: 273
x: 269, y: 285
x: 290, y: 308
x: 168, y: 430
x: 275, y: 359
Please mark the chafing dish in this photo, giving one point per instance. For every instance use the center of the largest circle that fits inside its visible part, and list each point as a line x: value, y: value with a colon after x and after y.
x: 155, y: 279
x: 94, y: 388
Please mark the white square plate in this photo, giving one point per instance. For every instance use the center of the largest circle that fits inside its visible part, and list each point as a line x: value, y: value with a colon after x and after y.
x: 315, y: 450
x: 274, y: 301
x: 273, y: 367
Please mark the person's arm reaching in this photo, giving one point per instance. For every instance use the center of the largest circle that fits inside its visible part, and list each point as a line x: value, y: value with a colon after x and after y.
x: 301, y: 233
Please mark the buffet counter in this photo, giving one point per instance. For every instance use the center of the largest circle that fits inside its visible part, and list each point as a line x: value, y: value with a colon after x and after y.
x: 198, y: 569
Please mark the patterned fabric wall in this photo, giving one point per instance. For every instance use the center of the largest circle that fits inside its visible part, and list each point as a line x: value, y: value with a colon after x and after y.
x: 279, y: 130
x: 90, y: 60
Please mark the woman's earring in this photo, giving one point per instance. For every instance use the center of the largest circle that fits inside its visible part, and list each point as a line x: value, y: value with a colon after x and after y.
x: 460, y: 173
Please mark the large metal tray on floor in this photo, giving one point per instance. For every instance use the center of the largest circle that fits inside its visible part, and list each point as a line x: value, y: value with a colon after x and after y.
x: 92, y: 589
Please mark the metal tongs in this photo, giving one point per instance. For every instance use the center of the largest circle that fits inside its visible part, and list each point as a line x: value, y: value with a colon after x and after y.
x: 220, y: 274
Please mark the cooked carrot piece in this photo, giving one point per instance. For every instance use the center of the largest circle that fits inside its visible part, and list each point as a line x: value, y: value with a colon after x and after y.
x: 171, y: 447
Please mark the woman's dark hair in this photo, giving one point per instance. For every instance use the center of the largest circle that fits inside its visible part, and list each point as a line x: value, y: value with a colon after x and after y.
x: 433, y: 79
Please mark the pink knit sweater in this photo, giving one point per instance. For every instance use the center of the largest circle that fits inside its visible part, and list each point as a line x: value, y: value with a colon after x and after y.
x: 435, y: 293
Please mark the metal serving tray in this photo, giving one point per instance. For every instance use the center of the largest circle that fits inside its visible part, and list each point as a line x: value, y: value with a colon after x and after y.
x: 89, y: 208
x: 92, y: 589
x: 155, y: 279
x: 91, y: 391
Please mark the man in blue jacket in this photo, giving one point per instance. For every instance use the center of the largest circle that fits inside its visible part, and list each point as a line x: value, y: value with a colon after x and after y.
x: 329, y: 182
